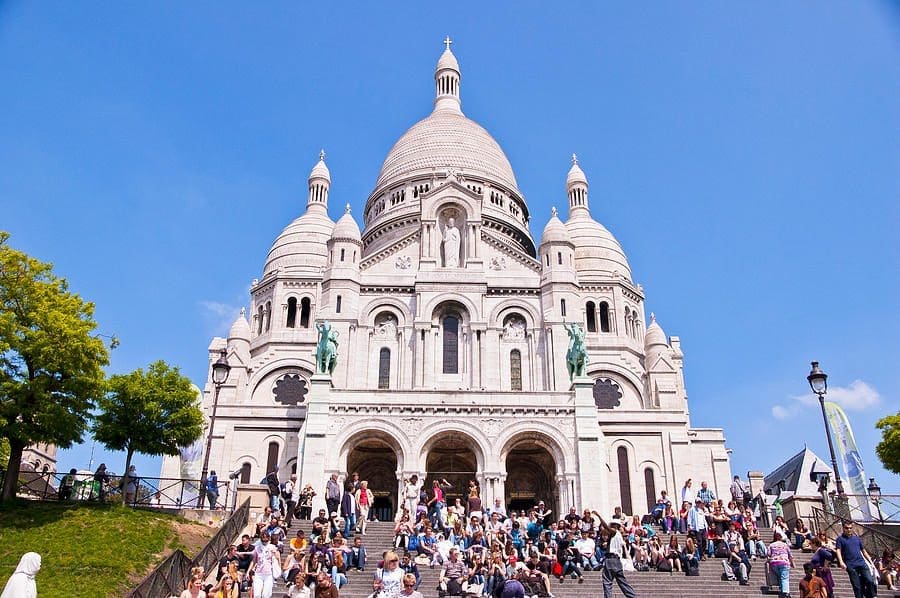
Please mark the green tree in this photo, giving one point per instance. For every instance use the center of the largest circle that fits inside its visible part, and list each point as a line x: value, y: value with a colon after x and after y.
x: 51, y: 366
x: 888, y: 449
x: 152, y: 412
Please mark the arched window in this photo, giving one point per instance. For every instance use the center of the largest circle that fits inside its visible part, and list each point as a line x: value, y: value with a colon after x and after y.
x: 604, y: 317
x: 268, y: 315
x: 259, y: 320
x: 272, y: 459
x: 591, y: 317
x: 337, y: 305
x: 559, y: 257
x: 292, y: 313
x: 650, y: 487
x: 627, y: 321
x: 636, y: 327
x: 384, y: 368
x: 451, y: 344
x: 342, y: 254
x: 562, y: 307
x: 624, y: 479
x: 515, y: 370
x: 245, y: 473
x: 304, y: 312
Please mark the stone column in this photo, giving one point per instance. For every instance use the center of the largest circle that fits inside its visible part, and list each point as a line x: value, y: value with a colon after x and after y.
x: 313, y: 446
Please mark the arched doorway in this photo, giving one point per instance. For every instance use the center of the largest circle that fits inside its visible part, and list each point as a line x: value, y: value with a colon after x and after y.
x: 375, y: 459
x: 530, y: 476
x: 451, y: 457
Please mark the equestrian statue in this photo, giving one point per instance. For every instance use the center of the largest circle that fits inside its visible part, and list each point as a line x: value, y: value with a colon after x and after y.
x: 576, y: 356
x: 326, y: 349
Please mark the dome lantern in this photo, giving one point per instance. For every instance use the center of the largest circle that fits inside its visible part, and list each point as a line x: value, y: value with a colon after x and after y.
x: 446, y: 81
x: 577, y: 188
x: 319, y: 183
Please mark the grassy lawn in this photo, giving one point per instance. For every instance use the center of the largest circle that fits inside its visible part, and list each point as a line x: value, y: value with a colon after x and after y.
x: 91, y: 550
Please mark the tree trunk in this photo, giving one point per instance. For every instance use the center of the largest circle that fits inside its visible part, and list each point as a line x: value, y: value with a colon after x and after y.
x: 11, y: 479
x: 126, y: 477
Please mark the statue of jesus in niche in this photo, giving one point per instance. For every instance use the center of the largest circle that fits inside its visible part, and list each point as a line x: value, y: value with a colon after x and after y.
x: 451, y: 244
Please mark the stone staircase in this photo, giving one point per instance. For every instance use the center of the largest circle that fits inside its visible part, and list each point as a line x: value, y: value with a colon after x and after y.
x: 379, y: 538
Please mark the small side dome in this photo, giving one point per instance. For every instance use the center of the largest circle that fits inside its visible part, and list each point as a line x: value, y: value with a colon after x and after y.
x: 654, y: 337
x: 555, y: 231
x: 346, y: 228
x: 240, y: 330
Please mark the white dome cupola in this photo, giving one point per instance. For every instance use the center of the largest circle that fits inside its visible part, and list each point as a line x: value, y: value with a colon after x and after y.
x: 556, y: 252
x: 301, y: 248
x: 446, y: 81
x: 319, y: 183
x: 577, y: 188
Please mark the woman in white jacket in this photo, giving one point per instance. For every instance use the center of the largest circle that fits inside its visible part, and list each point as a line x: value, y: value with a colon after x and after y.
x: 364, y: 498
x: 21, y: 584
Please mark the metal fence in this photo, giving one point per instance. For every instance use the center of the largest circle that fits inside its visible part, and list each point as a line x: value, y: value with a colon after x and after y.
x: 168, y: 493
x: 874, y: 540
x: 170, y: 577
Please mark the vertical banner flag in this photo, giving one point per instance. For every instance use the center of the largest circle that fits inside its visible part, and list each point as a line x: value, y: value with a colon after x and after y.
x: 846, y: 447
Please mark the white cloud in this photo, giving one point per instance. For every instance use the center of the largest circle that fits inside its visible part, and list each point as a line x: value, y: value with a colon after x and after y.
x: 219, y: 315
x: 857, y: 396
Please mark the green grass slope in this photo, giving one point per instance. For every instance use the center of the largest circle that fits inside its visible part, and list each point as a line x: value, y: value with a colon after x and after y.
x: 91, y: 550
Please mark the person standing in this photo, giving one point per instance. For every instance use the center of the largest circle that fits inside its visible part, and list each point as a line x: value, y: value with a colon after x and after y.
x: 68, y: 483
x: 781, y: 561
x: 706, y: 494
x: 411, y: 490
x: 852, y: 556
x: 21, y: 584
x: 212, y: 489
x: 739, y: 491
x: 332, y: 493
x: 688, y: 494
x: 265, y: 566
x: 364, y: 499
x: 697, y: 523
x: 348, y: 510
x: 289, y: 494
x: 130, y: 484
x: 612, y: 565
x: 101, y: 480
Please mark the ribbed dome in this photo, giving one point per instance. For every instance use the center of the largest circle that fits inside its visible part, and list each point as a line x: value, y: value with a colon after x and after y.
x: 240, y: 330
x: 654, y: 335
x: 596, y: 250
x: 445, y: 140
x: 346, y: 227
x: 555, y: 231
x: 302, y: 246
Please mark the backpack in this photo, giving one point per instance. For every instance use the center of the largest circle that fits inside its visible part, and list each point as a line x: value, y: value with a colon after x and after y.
x: 722, y: 551
x: 665, y: 566
x: 692, y: 569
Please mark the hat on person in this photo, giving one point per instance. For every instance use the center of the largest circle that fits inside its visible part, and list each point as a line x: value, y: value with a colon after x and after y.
x: 615, y: 521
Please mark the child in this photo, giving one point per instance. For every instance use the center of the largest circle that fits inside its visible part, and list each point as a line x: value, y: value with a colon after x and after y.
x: 812, y: 586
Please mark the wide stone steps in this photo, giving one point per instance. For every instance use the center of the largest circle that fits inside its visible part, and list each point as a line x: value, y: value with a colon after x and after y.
x: 379, y: 538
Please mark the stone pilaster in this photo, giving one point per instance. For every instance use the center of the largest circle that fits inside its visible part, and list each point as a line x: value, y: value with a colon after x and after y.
x: 314, y: 445
x: 591, y: 491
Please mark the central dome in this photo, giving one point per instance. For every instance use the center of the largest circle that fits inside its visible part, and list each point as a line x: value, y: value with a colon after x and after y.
x: 446, y: 139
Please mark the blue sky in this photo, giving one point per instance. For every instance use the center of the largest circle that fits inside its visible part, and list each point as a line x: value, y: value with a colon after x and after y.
x: 746, y: 155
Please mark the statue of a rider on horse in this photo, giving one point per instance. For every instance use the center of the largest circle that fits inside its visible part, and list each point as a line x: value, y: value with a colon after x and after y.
x: 326, y: 349
x: 576, y: 356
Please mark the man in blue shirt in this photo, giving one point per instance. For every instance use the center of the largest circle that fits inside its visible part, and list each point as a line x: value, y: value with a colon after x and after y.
x: 697, y: 523
x: 854, y: 558
x: 706, y: 494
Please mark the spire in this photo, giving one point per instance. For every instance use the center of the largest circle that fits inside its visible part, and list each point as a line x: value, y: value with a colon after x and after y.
x: 446, y: 81
x: 577, y: 189
x: 319, y: 183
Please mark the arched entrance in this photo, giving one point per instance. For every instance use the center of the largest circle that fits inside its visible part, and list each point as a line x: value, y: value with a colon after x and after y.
x: 451, y: 457
x: 374, y: 457
x: 530, y: 476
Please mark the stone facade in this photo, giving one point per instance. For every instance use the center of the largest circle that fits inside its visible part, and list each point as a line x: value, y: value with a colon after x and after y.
x: 452, y: 342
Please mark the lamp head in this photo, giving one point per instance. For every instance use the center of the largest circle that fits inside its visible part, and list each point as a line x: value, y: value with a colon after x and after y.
x: 220, y: 370
x: 874, y: 490
x: 818, y: 380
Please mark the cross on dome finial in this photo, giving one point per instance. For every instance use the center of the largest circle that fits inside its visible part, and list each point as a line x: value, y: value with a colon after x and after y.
x: 447, y: 42
x: 322, y: 154
x: 243, y: 312
x: 652, y: 317
x: 347, y: 208
x: 553, y: 212
x: 574, y: 159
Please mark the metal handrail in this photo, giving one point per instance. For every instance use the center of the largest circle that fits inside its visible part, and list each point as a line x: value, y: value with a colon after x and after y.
x: 874, y: 540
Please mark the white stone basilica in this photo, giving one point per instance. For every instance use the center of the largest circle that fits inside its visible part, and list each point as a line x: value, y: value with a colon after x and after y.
x: 452, y: 343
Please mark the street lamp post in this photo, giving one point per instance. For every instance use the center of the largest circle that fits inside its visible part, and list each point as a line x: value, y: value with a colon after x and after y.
x: 875, y: 496
x: 220, y: 370
x: 818, y: 382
